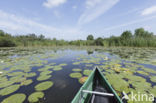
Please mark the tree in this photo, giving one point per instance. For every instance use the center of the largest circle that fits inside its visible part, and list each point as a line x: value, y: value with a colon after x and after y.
x: 139, y: 32
x: 90, y: 37
x: 99, y: 41
x: 126, y: 35
x: 41, y: 37
x: 2, y: 33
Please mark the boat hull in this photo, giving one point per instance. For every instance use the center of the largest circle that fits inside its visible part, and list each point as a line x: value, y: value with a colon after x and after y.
x: 96, y: 82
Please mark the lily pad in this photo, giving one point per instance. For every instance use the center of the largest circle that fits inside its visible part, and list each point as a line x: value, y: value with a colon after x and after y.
x: 6, y: 83
x: 62, y: 64
x: 34, y: 97
x: 87, y: 72
x: 26, y: 82
x: 75, y: 75
x: 9, y: 90
x: 44, y: 85
x: 30, y: 74
x: 43, y: 77
x: 153, y: 79
x: 83, y: 79
x: 16, y: 98
x: 76, y: 70
x: 57, y: 68
x: 45, y: 72
x: 142, y: 72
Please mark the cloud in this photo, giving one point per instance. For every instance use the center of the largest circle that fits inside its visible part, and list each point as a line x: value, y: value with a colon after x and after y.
x: 130, y: 23
x: 53, y: 3
x: 148, y: 11
x: 94, y: 9
x: 74, y: 7
x: 16, y: 24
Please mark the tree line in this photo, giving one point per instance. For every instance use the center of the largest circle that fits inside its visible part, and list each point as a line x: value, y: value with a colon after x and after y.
x: 140, y: 38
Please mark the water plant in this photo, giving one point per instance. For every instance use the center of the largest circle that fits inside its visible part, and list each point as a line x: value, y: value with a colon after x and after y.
x: 26, y: 82
x: 57, y: 68
x: 16, y: 98
x: 76, y: 70
x: 9, y: 90
x: 87, y: 72
x: 63, y: 64
x: 34, y: 97
x: 75, y: 75
x: 153, y: 78
x: 142, y: 72
x: 6, y: 83
x: 44, y: 85
x: 82, y: 80
x: 32, y: 74
x: 43, y: 77
x: 46, y: 72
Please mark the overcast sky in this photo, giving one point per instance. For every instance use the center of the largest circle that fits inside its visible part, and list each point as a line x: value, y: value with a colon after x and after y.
x: 75, y: 19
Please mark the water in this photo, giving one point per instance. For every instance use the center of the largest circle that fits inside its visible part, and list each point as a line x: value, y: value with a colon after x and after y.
x: 65, y: 87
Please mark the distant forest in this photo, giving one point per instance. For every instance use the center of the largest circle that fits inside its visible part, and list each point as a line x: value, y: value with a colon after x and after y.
x: 140, y: 38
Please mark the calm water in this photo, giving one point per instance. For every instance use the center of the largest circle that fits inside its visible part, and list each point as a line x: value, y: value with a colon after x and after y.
x: 65, y: 87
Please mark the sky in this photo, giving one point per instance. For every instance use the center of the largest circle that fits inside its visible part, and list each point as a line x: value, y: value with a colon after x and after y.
x: 75, y: 19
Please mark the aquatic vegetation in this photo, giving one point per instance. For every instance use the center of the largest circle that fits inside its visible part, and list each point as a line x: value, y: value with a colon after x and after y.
x: 3, y: 79
x: 26, y: 82
x: 32, y: 74
x: 149, y: 70
x: 75, y: 75
x: 142, y: 86
x: 153, y: 90
x: 17, y: 79
x: 89, y: 65
x: 44, y: 85
x: 45, y: 72
x: 76, y: 63
x: 6, y: 83
x: 117, y: 83
x: 16, y: 98
x: 47, y: 67
x: 57, y: 68
x: 142, y: 72
x: 43, y: 77
x: 123, y: 74
x: 34, y: 97
x: 153, y: 78
x: 63, y: 64
x: 87, y: 72
x: 9, y: 90
x: 15, y: 74
x: 82, y: 80
x: 76, y: 70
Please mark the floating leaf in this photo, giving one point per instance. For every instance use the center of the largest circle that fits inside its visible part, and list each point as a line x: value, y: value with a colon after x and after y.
x: 30, y: 74
x: 9, y: 90
x: 45, y: 72
x: 6, y: 83
x: 75, y: 75
x: 83, y: 79
x: 34, y: 97
x: 26, y: 82
x: 57, y: 68
x: 76, y: 70
x: 142, y: 72
x: 62, y: 64
x: 16, y: 98
x: 87, y: 72
x: 153, y: 79
x: 44, y: 86
x: 43, y: 77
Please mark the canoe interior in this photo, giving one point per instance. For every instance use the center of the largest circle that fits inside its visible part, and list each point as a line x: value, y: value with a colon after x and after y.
x: 96, y: 82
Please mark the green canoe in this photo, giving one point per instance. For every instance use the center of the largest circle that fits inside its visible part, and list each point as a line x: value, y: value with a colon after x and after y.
x: 96, y: 90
